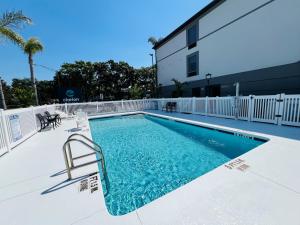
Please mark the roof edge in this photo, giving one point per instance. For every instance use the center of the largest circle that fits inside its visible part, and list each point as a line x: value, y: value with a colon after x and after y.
x: 202, y: 12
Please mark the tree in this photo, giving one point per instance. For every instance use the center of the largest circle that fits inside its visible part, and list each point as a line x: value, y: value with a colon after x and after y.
x: 10, y: 22
x: 80, y: 75
x: 31, y: 47
x: 108, y: 80
x: 22, y: 94
x: 179, y: 86
x: 136, y: 92
x: 46, y: 92
x: 146, y: 80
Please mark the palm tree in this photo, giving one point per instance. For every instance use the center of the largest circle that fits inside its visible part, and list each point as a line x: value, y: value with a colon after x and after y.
x: 31, y: 47
x: 153, y: 40
x: 10, y: 22
x: 179, y: 87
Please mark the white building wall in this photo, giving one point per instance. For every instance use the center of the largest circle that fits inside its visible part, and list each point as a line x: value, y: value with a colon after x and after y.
x: 267, y: 37
x: 171, y: 46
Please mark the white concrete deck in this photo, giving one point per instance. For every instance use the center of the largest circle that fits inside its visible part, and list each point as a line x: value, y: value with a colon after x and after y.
x: 34, y: 190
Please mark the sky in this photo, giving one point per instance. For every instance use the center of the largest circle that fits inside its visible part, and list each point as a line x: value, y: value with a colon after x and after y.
x: 91, y: 30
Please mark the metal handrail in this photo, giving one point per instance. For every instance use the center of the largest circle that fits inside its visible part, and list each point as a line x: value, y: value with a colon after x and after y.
x: 69, y: 160
x: 86, y: 138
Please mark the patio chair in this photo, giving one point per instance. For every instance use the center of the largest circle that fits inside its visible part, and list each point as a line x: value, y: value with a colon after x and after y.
x: 45, y: 122
x: 82, y: 119
x: 171, y: 106
x: 166, y: 107
x: 55, y: 116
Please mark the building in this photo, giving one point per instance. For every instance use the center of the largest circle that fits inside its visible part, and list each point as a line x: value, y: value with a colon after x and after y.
x: 254, y: 42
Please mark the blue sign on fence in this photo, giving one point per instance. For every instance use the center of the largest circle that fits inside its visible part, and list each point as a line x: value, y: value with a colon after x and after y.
x: 69, y: 95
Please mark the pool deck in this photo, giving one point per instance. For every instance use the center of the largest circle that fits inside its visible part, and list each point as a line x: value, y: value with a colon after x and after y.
x: 262, y: 188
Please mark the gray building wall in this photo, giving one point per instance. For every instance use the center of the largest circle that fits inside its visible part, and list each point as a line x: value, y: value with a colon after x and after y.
x: 267, y: 81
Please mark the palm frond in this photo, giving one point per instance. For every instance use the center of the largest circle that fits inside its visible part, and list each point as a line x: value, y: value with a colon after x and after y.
x: 32, y: 46
x: 14, y: 19
x: 152, y: 40
x: 12, y: 36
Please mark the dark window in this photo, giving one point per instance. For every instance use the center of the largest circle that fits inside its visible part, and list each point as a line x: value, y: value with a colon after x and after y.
x: 193, y: 64
x: 192, y: 35
x: 213, y: 90
x: 196, y: 92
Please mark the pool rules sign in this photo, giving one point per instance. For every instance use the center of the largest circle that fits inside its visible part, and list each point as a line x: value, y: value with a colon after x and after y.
x: 90, y: 183
x: 15, y: 126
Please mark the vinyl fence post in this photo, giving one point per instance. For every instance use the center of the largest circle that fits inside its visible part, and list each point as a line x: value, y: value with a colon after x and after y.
x: 162, y: 103
x: 5, y: 130
x: 181, y: 104
x: 250, y: 107
x: 217, y: 105
x: 237, y: 107
x: 279, y: 108
x: 144, y: 107
x: 193, y: 105
x: 34, y: 118
x: 66, y: 108
x: 206, y: 105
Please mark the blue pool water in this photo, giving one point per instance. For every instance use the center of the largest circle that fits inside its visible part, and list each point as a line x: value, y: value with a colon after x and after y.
x: 147, y: 157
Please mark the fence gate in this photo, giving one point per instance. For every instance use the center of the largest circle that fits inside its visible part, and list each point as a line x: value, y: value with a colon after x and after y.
x: 264, y: 108
x: 276, y: 109
x: 290, y: 110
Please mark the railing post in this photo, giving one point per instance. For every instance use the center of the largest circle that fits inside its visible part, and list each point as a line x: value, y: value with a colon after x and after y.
x: 5, y: 130
x: 206, y: 105
x: 144, y: 104
x: 34, y: 118
x: 217, y: 105
x: 70, y: 155
x: 250, y: 107
x: 180, y: 103
x: 67, y: 163
x: 162, y: 102
x: 66, y: 108
x: 193, y: 105
x: 122, y: 105
x: 236, y: 107
x: 279, y: 109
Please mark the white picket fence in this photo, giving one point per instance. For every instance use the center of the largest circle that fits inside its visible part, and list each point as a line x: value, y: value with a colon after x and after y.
x: 276, y: 109
x: 28, y: 124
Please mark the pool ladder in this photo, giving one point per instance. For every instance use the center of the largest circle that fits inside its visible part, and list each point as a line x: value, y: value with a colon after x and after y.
x: 69, y: 159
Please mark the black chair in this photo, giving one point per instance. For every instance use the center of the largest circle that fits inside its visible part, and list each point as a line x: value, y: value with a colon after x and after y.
x: 45, y: 122
x: 55, y: 116
x: 171, y: 106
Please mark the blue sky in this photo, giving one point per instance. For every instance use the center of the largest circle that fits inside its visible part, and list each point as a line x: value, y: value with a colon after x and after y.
x: 93, y: 30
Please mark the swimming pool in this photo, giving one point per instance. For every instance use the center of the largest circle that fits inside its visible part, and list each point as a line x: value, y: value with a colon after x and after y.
x: 147, y: 157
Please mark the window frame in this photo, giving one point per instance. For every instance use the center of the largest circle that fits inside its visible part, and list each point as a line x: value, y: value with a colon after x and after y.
x: 192, y: 73
x: 192, y: 44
